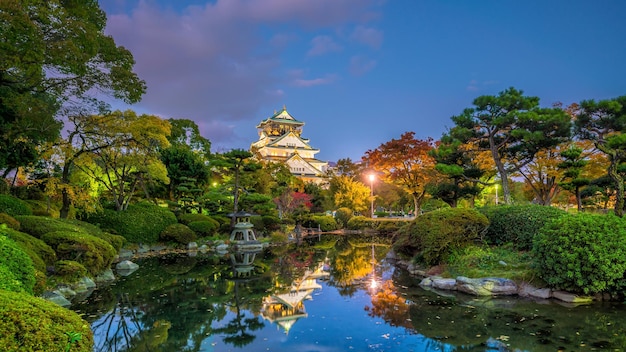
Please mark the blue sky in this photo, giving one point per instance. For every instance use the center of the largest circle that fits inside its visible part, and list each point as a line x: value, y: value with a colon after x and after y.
x: 361, y: 72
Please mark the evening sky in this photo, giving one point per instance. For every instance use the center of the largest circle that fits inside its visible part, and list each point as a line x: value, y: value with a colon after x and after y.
x: 361, y: 72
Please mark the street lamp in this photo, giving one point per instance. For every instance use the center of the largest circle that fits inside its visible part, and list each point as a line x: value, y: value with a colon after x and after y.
x: 372, y: 178
x: 496, y: 194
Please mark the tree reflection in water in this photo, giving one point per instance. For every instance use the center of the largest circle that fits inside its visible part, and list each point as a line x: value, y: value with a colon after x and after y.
x: 219, y: 303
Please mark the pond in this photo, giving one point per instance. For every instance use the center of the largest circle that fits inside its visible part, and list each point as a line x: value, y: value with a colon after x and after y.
x: 335, y: 294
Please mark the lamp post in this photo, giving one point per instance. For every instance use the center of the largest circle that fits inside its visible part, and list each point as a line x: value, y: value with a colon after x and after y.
x: 496, y: 194
x: 372, y: 178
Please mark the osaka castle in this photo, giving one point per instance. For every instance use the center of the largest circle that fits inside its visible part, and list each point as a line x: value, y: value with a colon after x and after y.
x: 280, y: 140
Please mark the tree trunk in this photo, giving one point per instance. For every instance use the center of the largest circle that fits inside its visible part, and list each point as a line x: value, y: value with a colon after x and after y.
x: 619, y: 187
x: 579, y: 203
x: 504, y: 176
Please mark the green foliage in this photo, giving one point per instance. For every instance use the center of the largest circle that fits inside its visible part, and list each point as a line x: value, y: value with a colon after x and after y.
x: 13, y: 206
x: 204, y: 228
x: 325, y: 223
x: 187, y: 218
x: 271, y: 223
x: 343, y: 215
x: 583, y: 253
x: 33, y: 324
x: 517, y: 224
x: 140, y: 223
x: 17, y: 264
x: 94, y: 253
x: 69, y: 271
x: 37, y: 226
x: 432, y: 237
x: 361, y: 223
x: 389, y: 227
x: 178, y: 233
x: 485, y: 261
x: 39, y: 252
x: 10, y: 221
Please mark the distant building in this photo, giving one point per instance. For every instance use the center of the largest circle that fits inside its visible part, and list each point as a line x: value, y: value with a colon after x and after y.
x: 280, y: 140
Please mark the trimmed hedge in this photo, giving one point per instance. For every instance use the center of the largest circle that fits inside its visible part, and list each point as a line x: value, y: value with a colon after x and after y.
x: 37, y: 226
x: 140, y: 223
x: 361, y: 223
x: 94, y: 253
x: 13, y: 206
x: 69, y: 271
x: 187, y: 218
x: 517, y: 224
x: 431, y: 237
x: 39, y: 252
x: 33, y: 324
x: 9, y: 221
x: 178, y: 233
x: 18, y: 269
x: 204, y: 228
x: 583, y: 253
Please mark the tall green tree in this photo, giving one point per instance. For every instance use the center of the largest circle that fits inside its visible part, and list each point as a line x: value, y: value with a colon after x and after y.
x: 463, y: 175
x: 54, y: 55
x: 236, y: 162
x: 572, y: 164
x: 513, y: 128
x: 349, y: 193
x: 604, y: 123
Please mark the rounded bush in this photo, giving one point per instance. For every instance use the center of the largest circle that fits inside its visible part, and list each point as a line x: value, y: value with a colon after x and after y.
x: 92, y: 252
x: 342, y: 216
x: 13, y: 206
x: 431, y: 237
x: 361, y: 223
x: 583, y: 253
x: 204, y: 228
x: 33, y: 324
x: 517, y: 224
x: 140, y: 223
x: 18, y: 264
x: 389, y: 227
x: 39, y: 252
x: 178, y: 233
x: 187, y: 218
x: 326, y: 223
x: 69, y: 271
x: 81, y: 226
x: 10, y: 221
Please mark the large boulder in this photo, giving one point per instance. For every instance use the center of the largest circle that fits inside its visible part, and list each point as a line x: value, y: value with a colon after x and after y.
x: 489, y: 286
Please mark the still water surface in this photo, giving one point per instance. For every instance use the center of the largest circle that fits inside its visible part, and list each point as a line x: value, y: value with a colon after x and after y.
x: 338, y: 294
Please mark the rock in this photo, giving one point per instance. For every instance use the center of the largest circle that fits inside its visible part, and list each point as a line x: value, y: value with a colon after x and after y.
x: 192, y: 253
x: 204, y: 248
x: 221, y: 247
x: 158, y: 248
x: 444, y: 284
x: 427, y: 282
x: 126, y: 265
x: 490, y: 286
x: 66, y: 292
x: 528, y: 290
x: 143, y: 248
x: 105, y: 276
x: 126, y: 254
x: 192, y: 246
x: 57, y: 298
x: 503, y: 263
x: 83, y: 285
x: 571, y: 297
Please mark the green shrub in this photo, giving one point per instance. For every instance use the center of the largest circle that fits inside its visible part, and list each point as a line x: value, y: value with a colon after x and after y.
x: 517, y: 224
x: 583, y: 253
x: 271, y: 223
x: 33, y: 324
x: 140, y: 223
x: 44, y: 208
x: 187, y: 218
x: 39, y: 252
x: 178, y: 233
x: 38, y: 226
x: 257, y: 222
x: 342, y: 216
x: 326, y: 223
x: 69, y: 271
x: 204, y: 228
x: 361, y: 223
x: 389, y: 227
x: 431, y: 237
x: 16, y: 263
x: 94, y: 253
x: 13, y: 206
x: 9, y: 221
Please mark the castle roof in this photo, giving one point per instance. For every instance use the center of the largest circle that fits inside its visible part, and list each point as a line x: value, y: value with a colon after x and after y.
x: 281, y: 117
